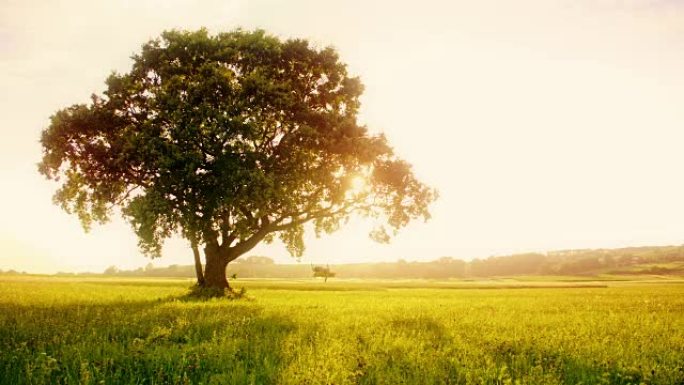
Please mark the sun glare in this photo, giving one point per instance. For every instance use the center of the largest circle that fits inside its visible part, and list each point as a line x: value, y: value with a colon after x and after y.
x: 358, y: 185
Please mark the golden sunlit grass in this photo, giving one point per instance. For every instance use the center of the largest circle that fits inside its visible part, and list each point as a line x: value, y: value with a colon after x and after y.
x: 126, y: 331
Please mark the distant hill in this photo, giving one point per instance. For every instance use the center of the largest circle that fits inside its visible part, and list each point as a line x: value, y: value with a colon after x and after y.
x: 659, y: 260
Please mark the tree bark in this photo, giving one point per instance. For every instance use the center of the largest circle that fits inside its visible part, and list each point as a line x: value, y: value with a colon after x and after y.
x: 218, y: 256
x: 198, y: 265
x: 215, y: 269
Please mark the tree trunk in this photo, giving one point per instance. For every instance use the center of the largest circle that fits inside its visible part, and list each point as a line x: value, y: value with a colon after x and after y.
x: 198, y: 265
x: 215, y: 269
x: 218, y: 256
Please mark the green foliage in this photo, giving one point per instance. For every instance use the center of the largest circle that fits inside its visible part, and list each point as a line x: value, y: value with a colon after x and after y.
x: 238, y: 137
x: 67, y: 331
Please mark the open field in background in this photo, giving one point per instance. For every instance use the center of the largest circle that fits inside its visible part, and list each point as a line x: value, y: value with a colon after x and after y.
x: 542, y: 330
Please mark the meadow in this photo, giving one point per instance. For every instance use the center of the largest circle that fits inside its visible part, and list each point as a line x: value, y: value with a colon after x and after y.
x: 529, y: 331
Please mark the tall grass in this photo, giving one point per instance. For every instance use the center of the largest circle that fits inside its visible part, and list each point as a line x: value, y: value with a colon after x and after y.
x: 68, y: 331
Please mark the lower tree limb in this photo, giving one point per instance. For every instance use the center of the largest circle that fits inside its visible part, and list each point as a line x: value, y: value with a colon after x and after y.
x: 198, y: 265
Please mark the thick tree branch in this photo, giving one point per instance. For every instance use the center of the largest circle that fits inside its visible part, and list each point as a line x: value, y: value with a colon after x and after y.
x: 248, y: 214
x: 228, y: 240
x: 225, y: 225
x: 198, y: 264
x: 297, y: 220
x: 249, y: 243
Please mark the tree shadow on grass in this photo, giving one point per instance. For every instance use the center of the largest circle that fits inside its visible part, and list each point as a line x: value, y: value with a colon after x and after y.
x: 141, y: 342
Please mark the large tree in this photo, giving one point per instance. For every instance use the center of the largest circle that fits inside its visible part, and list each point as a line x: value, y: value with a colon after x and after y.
x: 228, y: 140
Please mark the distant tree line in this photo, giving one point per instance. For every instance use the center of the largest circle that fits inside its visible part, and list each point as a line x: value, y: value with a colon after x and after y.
x: 632, y: 260
x: 12, y: 272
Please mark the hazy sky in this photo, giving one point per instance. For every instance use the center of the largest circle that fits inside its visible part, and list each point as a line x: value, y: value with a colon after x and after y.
x: 544, y: 124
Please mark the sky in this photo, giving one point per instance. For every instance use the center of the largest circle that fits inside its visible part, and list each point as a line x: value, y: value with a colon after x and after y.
x: 544, y: 124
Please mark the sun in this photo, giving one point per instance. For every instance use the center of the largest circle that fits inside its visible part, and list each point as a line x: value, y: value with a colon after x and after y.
x: 358, y: 184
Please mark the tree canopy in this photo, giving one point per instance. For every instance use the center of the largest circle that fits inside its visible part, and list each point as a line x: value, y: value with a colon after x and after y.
x: 228, y: 140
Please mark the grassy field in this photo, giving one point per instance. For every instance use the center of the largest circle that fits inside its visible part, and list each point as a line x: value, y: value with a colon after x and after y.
x: 106, y: 331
